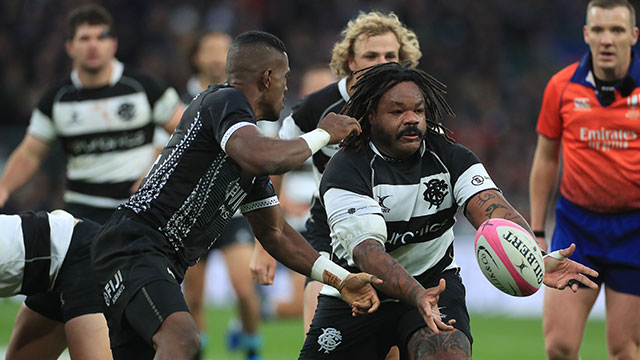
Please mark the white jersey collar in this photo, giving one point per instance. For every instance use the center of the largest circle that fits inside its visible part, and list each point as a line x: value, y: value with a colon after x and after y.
x: 342, y: 87
x: 116, y: 74
x: 386, y: 158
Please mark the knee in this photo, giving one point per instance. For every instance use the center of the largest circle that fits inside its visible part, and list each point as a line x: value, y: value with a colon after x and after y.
x: 557, y: 349
x: 629, y: 351
x: 245, y: 292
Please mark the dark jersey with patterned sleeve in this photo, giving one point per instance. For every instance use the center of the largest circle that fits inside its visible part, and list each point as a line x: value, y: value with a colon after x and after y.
x: 194, y: 188
x: 418, y: 198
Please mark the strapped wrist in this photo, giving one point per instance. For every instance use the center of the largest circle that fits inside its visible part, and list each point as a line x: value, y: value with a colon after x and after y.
x: 316, y: 139
x: 539, y: 233
x: 328, y: 272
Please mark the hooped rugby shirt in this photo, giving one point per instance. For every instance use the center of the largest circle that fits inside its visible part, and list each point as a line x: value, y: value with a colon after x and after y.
x: 418, y: 199
x: 106, y: 132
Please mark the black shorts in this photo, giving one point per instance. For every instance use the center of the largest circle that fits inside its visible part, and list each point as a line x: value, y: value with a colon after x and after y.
x: 99, y: 215
x: 75, y: 292
x: 335, y: 334
x: 154, y: 302
x: 128, y: 255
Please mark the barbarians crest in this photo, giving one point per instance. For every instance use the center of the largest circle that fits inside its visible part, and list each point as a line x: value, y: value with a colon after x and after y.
x: 329, y: 340
x: 126, y: 111
x: 435, y: 192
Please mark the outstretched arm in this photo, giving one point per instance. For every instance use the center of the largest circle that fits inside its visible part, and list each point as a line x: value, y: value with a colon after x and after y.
x: 371, y: 257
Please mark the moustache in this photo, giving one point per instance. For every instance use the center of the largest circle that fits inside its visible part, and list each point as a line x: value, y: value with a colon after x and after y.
x: 410, y: 129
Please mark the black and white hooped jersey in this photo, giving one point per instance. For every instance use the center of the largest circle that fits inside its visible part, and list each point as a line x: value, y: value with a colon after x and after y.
x: 194, y: 188
x: 418, y: 198
x: 106, y: 132
x: 32, y: 250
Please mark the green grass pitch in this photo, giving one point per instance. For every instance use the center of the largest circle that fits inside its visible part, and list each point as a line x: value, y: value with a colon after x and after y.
x: 495, y: 337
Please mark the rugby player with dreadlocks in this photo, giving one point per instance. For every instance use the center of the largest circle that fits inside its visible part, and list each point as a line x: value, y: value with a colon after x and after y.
x: 369, y: 39
x: 391, y: 195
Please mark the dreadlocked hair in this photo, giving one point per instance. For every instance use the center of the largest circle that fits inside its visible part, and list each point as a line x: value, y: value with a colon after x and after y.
x: 376, y: 81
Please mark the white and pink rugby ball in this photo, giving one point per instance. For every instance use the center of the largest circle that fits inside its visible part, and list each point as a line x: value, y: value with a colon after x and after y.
x: 509, y: 257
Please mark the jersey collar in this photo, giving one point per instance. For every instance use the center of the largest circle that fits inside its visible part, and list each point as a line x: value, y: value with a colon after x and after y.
x: 116, y: 75
x: 583, y: 74
x: 342, y: 87
x: 386, y: 158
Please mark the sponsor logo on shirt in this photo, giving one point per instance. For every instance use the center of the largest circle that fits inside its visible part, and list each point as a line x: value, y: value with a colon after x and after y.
x: 581, y: 104
x: 408, y: 236
x: 381, y: 200
x: 632, y: 103
x: 329, y: 340
x: 107, y: 143
x: 478, y: 180
x: 604, y: 139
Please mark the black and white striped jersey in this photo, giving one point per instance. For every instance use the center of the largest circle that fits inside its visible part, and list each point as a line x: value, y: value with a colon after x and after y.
x: 106, y: 132
x: 32, y: 250
x: 418, y: 199
x: 304, y: 118
x: 194, y: 187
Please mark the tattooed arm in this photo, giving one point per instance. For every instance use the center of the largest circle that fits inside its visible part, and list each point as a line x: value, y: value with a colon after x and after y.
x: 370, y: 256
x: 490, y: 204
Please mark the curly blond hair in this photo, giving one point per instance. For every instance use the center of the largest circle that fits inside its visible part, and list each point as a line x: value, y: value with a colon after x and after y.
x: 372, y: 24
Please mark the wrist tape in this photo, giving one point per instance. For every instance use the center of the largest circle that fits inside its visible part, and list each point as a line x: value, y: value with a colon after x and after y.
x: 332, y: 270
x: 316, y: 139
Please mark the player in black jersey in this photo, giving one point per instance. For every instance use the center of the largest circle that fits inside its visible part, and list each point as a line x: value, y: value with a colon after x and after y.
x: 236, y: 243
x: 391, y: 195
x: 216, y: 162
x: 48, y: 253
x: 371, y: 38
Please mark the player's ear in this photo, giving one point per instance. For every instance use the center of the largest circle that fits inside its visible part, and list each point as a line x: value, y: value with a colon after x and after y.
x: 265, y: 79
x: 115, y: 46
x: 351, y: 62
x: 67, y: 47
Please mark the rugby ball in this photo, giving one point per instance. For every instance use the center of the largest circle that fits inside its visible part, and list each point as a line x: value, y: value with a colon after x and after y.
x: 509, y: 257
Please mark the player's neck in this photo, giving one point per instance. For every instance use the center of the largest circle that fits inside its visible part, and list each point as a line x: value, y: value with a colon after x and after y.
x: 90, y: 79
x: 206, y: 81
x: 250, y: 92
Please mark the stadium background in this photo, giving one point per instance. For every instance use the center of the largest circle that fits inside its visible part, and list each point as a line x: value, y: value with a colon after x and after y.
x: 496, y: 57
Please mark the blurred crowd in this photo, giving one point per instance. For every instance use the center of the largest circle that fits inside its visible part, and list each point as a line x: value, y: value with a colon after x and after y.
x: 495, y: 56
